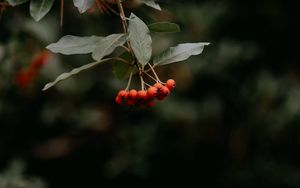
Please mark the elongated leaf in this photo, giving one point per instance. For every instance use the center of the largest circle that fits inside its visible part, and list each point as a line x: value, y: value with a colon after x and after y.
x: 164, y: 27
x: 16, y: 2
x: 179, y: 53
x: 70, y: 44
x: 73, y: 72
x: 39, y: 8
x: 108, y: 45
x: 83, y: 5
x: 152, y: 4
x: 140, y: 39
x: 121, y: 69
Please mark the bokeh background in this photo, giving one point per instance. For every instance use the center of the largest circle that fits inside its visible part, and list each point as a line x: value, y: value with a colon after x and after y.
x: 232, y: 121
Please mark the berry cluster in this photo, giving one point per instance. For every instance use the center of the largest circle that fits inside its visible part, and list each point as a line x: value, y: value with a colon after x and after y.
x: 145, y: 98
x: 26, y: 76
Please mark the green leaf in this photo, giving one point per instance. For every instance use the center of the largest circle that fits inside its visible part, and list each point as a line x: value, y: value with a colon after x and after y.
x: 152, y: 4
x: 73, y: 72
x: 179, y: 53
x: 121, y: 69
x: 39, y: 8
x: 164, y: 27
x: 16, y: 2
x: 83, y: 5
x: 70, y: 44
x: 140, y: 39
x: 108, y: 45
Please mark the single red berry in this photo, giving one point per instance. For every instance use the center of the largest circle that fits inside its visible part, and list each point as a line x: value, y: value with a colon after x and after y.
x: 165, y: 91
x: 123, y: 95
x: 141, y: 96
x: 170, y: 84
x: 118, y: 100
x: 158, y: 86
x: 151, y: 92
x: 132, y: 94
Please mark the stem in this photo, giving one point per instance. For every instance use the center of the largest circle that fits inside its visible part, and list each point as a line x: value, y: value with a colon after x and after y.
x: 129, y: 81
x: 109, y: 7
x: 125, y: 47
x: 125, y: 28
x: 61, y: 13
x: 142, y: 83
x: 150, y: 76
x: 121, y: 59
x: 157, y: 79
x: 122, y: 15
x: 124, y: 23
x: 99, y: 5
x: 147, y: 84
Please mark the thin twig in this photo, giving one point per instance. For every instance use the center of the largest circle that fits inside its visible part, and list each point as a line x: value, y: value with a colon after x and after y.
x: 99, y: 5
x: 158, y: 80
x: 109, y: 7
x: 142, y: 82
x: 122, y: 15
x: 129, y: 81
x: 124, y: 23
x: 147, y: 84
x: 127, y: 49
x: 61, y: 13
x: 121, y: 59
x: 150, y: 76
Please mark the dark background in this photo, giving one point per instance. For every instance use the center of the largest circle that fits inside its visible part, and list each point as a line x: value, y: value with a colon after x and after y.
x: 232, y: 121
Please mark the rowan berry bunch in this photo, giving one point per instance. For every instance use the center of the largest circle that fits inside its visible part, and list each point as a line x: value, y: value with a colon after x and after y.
x: 134, y: 41
x: 145, y: 97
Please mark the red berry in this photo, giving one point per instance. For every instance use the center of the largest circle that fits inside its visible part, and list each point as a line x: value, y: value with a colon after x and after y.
x: 123, y: 95
x: 132, y: 94
x: 158, y: 86
x: 141, y: 96
x: 170, y: 84
x: 165, y: 91
x: 118, y: 100
x: 151, y: 92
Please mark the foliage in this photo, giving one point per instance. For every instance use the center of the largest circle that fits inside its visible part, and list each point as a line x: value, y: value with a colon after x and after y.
x: 232, y: 121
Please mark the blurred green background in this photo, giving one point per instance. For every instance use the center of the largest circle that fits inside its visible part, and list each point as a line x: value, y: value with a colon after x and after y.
x: 232, y: 121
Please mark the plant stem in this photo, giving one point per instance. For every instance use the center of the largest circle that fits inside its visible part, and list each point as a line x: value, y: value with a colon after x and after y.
x: 147, y: 84
x: 109, y: 7
x: 150, y: 76
x: 121, y: 59
x: 157, y: 79
x: 125, y: 26
x: 125, y: 47
x: 142, y: 83
x: 122, y: 15
x: 61, y: 13
x: 129, y: 81
x: 99, y: 5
